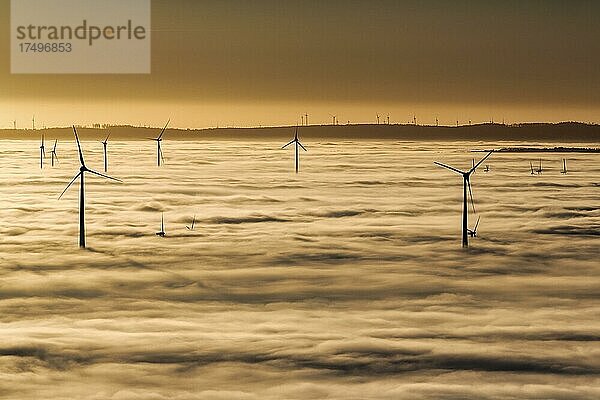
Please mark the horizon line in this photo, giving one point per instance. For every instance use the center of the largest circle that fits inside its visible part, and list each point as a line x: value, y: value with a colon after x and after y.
x: 106, y: 126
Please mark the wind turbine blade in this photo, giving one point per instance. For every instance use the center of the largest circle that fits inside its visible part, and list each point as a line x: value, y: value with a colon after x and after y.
x: 471, y: 195
x: 54, y: 148
x: 151, y: 138
x: 107, y: 136
x: 477, y: 224
x: 163, y: 129
x: 482, y: 160
x: 302, y: 146
x: 449, y: 167
x: 104, y: 176
x: 78, y: 146
x: 283, y: 147
x: 69, y: 185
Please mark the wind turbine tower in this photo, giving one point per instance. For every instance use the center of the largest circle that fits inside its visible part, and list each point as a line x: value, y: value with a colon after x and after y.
x: 81, y: 174
x: 159, y: 154
x: 53, y: 153
x: 297, y: 143
x: 466, y: 186
x: 42, y: 152
x: 104, y: 144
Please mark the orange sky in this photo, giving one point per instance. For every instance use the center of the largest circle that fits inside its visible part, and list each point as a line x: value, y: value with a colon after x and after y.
x: 232, y: 63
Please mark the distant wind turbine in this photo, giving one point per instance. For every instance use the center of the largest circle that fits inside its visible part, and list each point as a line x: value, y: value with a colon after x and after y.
x: 81, y: 174
x: 297, y: 143
x: 377, y: 119
x: 42, y: 153
x: 540, y: 169
x: 564, y: 168
x: 466, y: 185
x: 53, y: 152
x: 162, y: 226
x: 104, y: 144
x: 159, y: 154
x: 191, y: 227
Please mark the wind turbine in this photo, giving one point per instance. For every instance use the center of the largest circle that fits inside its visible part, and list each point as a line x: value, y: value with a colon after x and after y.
x: 540, y: 169
x: 159, y: 155
x: 531, y: 165
x: 473, y: 232
x: 162, y: 226
x: 377, y: 119
x: 42, y: 153
x: 81, y: 174
x: 191, y: 227
x: 297, y: 142
x: 104, y: 144
x: 564, y: 169
x: 53, y: 152
x: 466, y: 185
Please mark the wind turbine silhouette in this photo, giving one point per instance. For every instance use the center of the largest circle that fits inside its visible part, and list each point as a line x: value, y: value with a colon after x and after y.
x: 53, y: 152
x: 466, y: 185
x: 191, y: 227
x: 297, y: 142
x: 159, y: 155
x: 42, y: 153
x: 162, y: 226
x: 104, y: 144
x: 81, y: 174
x: 564, y: 169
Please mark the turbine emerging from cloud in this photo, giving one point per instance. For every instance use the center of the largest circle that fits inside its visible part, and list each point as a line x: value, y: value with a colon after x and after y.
x: 81, y: 174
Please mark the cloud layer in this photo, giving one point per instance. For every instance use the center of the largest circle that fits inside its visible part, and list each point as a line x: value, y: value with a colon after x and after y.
x: 345, y: 281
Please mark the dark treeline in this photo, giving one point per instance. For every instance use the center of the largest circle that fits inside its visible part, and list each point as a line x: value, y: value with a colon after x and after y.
x: 561, y: 132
